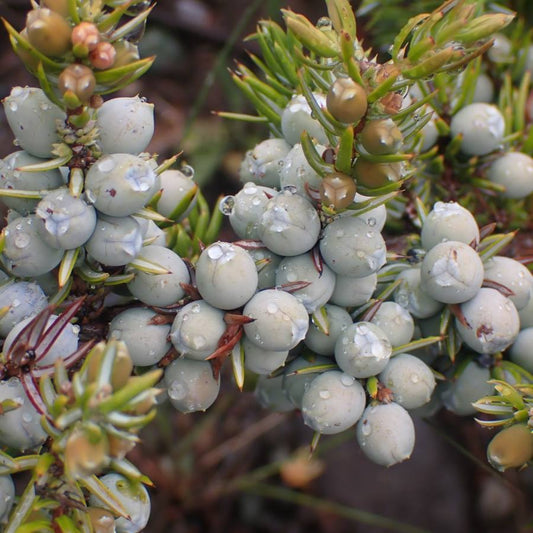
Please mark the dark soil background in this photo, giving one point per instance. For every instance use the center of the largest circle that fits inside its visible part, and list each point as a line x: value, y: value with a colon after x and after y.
x: 236, y: 468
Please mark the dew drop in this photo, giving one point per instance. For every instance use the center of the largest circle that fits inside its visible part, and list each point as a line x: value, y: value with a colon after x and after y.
x: 22, y: 240
x: 26, y: 417
x: 324, y: 394
x: 187, y: 171
x: 226, y: 205
x: 177, y: 390
x: 292, y: 276
x: 198, y: 342
x: 347, y: 380
x: 272, y: 308
x: 106, y: 164
x: 366, y: 429
x: 415, y: 378
x: 215, y: 252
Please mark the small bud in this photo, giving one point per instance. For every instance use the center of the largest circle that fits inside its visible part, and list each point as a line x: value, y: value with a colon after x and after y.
x: 145, y: 402
x: 118, y: 448
x: 48, y: 31
x: 122, y: 367
x: 103, y: 56
x: 432, y: 64
x: 346, y: 100
x: 391, y: 103
x: 86, y: 453
x: 85, y: 37
x: 483, y: 27
x: 512, y: 447
x: 309, y: 35
x: 78, y: 80
x: 102, y: 521
x: 337, y: 190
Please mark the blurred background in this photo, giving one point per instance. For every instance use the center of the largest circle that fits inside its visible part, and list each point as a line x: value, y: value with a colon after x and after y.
x: 239, y: 468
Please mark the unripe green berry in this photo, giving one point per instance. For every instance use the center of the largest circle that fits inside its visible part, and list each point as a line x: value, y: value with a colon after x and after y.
x: 512, y: 447
x: 59, y: 6
x: 78, y: 80
x: 381, y: 137
x: 373, y: 175
x: 48, y: 31
x: 346, y: 100
x: 337, y: 190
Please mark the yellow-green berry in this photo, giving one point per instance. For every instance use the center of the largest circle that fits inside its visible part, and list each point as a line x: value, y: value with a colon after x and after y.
x: 346, y: 100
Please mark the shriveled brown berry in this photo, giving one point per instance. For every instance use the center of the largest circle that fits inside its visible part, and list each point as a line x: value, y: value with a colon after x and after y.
x: 373, y: 175
x: 77, y: 79
x: 346, y: 100
x: 381, y: 137
x: 512, y: 447
x: 337, y: 190
x: 48, y: 31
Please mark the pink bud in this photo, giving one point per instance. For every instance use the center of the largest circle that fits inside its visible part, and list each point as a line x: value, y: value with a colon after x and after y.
x: 103, y: 56
x: 85, y: 34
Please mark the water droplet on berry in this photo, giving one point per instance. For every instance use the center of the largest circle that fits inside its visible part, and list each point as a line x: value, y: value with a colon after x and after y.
x: 22, y: 240
x: 177, y: 390
x: 105, y: 165
x: 347, y: 380
x: 199, y: 342
x: 366, y: 428
x: 272, y: 308
x: 215, y: 252
x: 187, y: 171
x: 415, y: 378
